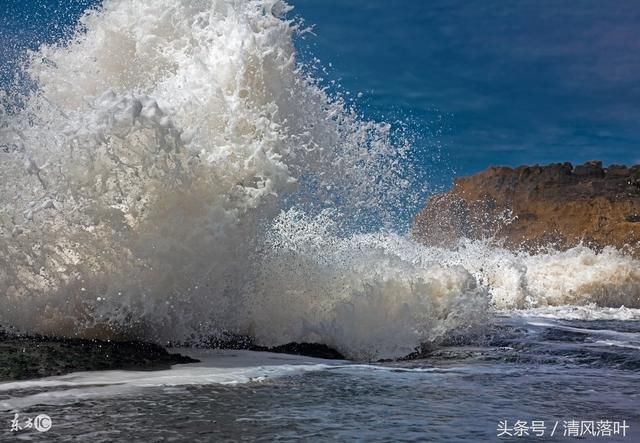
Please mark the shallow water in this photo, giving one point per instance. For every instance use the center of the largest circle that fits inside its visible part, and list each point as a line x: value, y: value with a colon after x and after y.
x: 531, y: 369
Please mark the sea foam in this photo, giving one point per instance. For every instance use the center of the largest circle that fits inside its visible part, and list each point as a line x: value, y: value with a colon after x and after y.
x: 176, y: 172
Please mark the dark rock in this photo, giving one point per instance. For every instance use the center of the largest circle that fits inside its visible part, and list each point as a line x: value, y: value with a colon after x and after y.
x: 307, y: 349
x: 23, y: 357
x: 590, y: 169
x: 237, y: 341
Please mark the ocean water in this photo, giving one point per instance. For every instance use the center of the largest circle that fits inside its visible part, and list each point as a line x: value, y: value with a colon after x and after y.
x: 176, y: 170
x: 535, y: 369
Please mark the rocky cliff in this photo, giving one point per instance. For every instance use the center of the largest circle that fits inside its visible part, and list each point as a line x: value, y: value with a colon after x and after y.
x: 536, y: 206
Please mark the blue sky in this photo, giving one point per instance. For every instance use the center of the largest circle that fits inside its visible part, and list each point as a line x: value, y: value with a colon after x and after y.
x: 517, y: 82
x: 490, y: 81
x: 28, y: 23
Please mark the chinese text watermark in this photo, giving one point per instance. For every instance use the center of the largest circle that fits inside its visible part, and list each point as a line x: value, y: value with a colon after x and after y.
x: 41, y: 423
x: 562, y: 428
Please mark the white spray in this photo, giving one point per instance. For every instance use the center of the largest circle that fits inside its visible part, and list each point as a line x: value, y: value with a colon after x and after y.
x: 178, y: 173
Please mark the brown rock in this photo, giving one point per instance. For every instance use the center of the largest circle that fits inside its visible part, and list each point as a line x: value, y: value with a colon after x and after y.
x: 537, y: 206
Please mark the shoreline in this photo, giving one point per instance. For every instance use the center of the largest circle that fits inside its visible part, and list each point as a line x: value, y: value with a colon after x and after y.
x: 28, y: 357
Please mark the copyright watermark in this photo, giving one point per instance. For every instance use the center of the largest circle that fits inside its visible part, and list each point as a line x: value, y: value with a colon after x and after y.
x: 41, y: 423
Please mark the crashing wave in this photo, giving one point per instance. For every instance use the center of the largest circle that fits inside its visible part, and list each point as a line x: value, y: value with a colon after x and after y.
x: 177, y: 173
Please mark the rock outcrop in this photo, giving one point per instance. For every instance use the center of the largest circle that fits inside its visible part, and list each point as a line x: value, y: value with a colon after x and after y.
x: 24, y: 357
x: 537, y: 206
x: 34, y: 356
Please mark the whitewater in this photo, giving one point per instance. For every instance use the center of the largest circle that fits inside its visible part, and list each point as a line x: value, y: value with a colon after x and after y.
x: 173, y: 172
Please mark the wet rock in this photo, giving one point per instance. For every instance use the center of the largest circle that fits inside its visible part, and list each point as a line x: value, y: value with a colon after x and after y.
x: 307, y: 349
x: 235, y: 341
x: 24, y: 357
x: 537, y: 206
